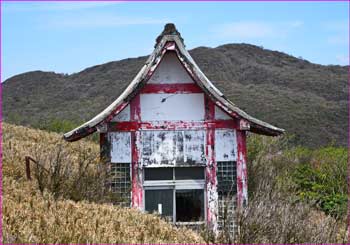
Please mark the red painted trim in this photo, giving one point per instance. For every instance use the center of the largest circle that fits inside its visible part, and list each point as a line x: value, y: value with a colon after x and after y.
x: 136, y: 185
x: 176, y: 88
x: 171, y: 125
x: 242, y: 183
x: 209, y: 108
x: 211, y: 164
x: 135, y: 109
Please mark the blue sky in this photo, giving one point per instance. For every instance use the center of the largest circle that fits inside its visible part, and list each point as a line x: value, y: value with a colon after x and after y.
x: 69, y: 37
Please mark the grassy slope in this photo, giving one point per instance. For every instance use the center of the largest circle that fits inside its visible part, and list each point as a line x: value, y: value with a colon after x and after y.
x: 29, y: 217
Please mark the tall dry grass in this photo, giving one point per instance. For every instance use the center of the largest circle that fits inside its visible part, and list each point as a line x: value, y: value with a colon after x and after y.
x: 45, y: 215
x: 275, y: 214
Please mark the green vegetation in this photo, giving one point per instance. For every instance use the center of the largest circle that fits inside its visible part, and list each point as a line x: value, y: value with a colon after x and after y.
x: 296, y: 194
x: 321, y: 178
x: 315, y: 176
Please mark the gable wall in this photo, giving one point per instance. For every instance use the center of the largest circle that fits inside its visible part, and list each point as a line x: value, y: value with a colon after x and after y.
x: 161, y: 104
x: 170, y: 71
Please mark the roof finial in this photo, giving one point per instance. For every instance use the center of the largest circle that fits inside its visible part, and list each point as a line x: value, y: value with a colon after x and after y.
x: 169, y: 29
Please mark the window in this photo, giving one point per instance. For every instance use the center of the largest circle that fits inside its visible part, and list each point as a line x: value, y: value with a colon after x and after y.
x: 159, y: 173
x: 227, y: 190
x: 120, y: 182
x: 226, y: 176
x: 175, y: 193
x: 189, y: 205
x: 160, y: 201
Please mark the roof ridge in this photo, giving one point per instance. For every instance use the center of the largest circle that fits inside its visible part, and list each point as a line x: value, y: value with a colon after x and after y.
x: 169, y: 29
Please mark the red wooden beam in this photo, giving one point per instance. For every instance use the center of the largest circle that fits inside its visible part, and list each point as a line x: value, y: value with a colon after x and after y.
x: 136, y: 185
x: 171, y: 125
x: 210, y: 171
x: 242, y: 184
x: 176, y: 88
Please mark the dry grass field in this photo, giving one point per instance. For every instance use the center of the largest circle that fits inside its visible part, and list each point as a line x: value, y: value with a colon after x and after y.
x: 296, y: 195
x: 34, y: 216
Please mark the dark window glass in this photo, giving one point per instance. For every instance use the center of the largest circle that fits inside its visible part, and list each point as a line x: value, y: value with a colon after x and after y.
x: 226, y: 176
x: 189, y: 173
x: 189, y: 205
x: 158, y: 173
x: 164, y: 197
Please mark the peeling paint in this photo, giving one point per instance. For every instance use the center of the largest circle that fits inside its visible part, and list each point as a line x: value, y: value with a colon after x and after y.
x: 120, y: 147
x: 242, y: 185
x: 172, y: 148
x: 158, y: 107
x: 225, y: 145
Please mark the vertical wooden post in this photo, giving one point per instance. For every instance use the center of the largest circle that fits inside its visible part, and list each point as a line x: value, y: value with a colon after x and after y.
x: 211, y: 181
x: 136, y: 171
x: 27, y: 162
x: 242, y: 184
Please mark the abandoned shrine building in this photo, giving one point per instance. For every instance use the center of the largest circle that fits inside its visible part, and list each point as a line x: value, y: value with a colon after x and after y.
x: 176, y: 144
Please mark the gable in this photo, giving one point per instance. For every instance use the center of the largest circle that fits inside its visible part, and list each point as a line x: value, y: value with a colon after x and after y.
x: 170, y: 71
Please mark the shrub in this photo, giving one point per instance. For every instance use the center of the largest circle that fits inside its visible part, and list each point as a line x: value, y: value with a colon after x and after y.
x: 322, y: 180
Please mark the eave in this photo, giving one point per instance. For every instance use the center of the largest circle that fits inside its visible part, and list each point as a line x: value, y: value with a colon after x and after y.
x: 173, y: 43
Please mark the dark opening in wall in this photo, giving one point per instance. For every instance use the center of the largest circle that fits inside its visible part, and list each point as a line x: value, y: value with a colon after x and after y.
x: 189, y: 205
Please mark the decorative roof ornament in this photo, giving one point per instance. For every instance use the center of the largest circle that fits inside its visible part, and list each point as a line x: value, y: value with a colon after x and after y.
x: 169, y: 29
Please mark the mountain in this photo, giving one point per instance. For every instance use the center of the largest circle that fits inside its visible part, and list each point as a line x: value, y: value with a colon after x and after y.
x: 308, y: 100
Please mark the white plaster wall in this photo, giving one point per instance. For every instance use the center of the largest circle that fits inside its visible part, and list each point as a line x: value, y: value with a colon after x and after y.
x: 170, y: 70
x: 161, y: 148
x: 194, y: 145
x: 172, y: 107
x: 120, y: 147
x: 124, y: 115
x: 220, y: 114
x: 225, y: 145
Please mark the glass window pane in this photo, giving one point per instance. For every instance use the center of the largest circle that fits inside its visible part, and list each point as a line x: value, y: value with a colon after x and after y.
x: 226, y: 176
x: 189, y: 205
x: 158, y: 173
x: 189, y: 173
x: 163, y: 198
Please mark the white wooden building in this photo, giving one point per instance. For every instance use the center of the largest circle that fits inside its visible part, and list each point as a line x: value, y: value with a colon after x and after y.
x: 178, y: 144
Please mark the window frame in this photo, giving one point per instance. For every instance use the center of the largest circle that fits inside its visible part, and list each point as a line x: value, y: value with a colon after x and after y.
x: 174, y: 185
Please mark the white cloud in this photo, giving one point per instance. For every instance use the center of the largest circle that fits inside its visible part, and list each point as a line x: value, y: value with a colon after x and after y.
x: 256, y: 29
x: 93, y: 20
x: 55, y: 6
x: 342, y: 59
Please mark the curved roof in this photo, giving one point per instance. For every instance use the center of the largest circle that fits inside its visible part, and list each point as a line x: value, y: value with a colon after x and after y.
x: 170, y: 39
